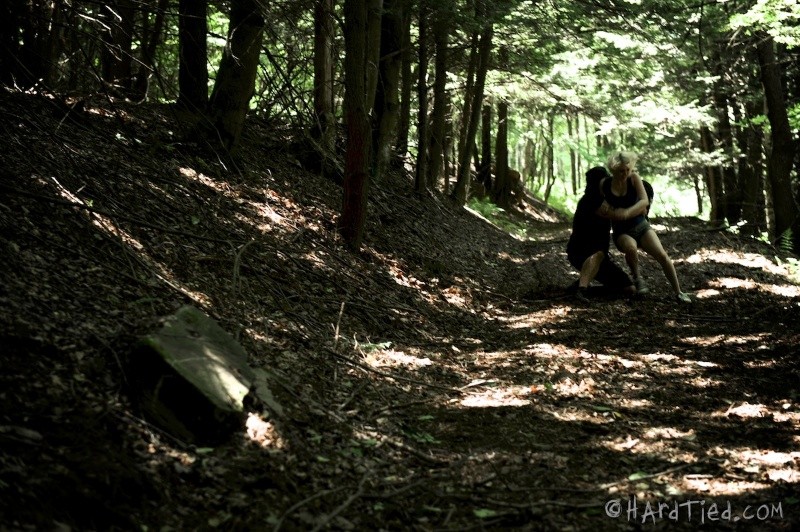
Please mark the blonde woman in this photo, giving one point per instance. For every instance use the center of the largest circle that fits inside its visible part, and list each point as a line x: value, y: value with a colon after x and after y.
x: 624, y: 189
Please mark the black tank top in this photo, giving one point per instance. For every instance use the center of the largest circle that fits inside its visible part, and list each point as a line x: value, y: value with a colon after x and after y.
x: 628, y: 199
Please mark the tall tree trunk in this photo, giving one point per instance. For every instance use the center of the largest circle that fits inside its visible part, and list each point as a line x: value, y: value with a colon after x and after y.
x: 550, y: 158
x: 358, y: 155
x: 117, y: 56
x: 193, y: 69
x: 484, y: 173
x: 406, y: 84
x: 750, y: 172
x: 236, y: 77
x: 461, y: 189
x: 325, y: 128
x: 781, y: 156
x: 713, y: 180
x: 722, y: 104
x: 573, y: 169
x: 387, y: 104
x: 151, y: 41
x: 436, y: 146
x: 421, y: 178
x: 501, y: 192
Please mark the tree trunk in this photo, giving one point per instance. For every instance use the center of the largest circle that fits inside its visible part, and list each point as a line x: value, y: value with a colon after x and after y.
x: 466, y: 111
x: 358, y: 155
x: 387, y: 104
x: 572, y: 163
x: 436, y: 146
x: 501, y: 192
x: 732, y: 194
x: 461, y: 189
x: 781, y: 157
x: 325, y: 128
x: 750, y: 173
x: 406, y: 84
x: 713, y: 180
x: 549, y: 158
x: 151, y: 39
x: 421, y: 178
x: 484, y: 173
x: 236, y: 77
x: 193, y: 69
x: 117, y: 56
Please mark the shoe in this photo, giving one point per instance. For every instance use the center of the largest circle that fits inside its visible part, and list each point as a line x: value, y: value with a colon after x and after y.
x: 683, y: 297
x: 580, y: 295
x: 641, y: 288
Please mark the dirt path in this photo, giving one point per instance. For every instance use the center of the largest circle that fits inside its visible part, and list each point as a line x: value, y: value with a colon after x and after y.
x: 441, y: 379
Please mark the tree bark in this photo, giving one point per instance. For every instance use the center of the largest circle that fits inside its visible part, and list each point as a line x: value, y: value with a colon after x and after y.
x: 436, y: 145
x: 406, y: 84
x: 484, y: 173
x: 387, y: 103
x: 358, y: 155
x: 781, y: 157
x: 236, y: 77
x: 117, y: 55
x: 461, y: 188
x: 421, y: 178
x: 501, y: 192
x: 325, y: 128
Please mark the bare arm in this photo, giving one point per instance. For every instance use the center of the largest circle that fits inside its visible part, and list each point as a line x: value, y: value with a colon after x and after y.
x: 640, y: 207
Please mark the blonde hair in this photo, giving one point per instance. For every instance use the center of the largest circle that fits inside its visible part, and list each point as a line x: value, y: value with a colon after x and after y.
x: 618, y: 158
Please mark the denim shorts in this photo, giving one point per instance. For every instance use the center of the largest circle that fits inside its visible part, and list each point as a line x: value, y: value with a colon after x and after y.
x: 636, y: 232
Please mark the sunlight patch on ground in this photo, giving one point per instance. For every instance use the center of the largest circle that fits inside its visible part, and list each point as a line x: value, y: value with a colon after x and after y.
x: 720, y: 339
x: 747, y: 260
x: 263, y: 432
x: 390, y: 358
x: 498, y: 397
x: 747, y: 284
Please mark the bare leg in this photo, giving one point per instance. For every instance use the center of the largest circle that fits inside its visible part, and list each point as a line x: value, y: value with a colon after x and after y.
x: 590, y: 268
x: 652, y: 246
x: 627, y: 245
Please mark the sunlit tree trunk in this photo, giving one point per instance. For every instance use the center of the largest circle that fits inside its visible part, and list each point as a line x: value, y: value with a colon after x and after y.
x: 572, y: 163
x: 236, y: 77
x: 549, y: 158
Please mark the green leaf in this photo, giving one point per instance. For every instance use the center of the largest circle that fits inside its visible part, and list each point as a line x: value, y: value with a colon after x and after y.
x: 638, y: 475
x: 484, y: 513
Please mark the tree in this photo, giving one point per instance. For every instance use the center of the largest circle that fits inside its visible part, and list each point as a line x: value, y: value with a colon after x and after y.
x: 421, y: 175
x: 436, y: 144
x: 360, y: 49
x: 484, y: 51
x: 387, y: 103
x: 781, y: 156
x: 193, y: 56
x: 325, y: 127
x: 235, y: 81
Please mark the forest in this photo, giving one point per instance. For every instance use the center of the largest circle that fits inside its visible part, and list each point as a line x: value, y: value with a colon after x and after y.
x: 355, y: 214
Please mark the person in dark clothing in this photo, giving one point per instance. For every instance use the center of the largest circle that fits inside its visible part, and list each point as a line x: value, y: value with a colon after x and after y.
x: 625, y: 189
x: 587, y: 249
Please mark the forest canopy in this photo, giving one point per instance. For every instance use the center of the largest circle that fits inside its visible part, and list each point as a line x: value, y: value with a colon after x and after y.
x: 475, y: 99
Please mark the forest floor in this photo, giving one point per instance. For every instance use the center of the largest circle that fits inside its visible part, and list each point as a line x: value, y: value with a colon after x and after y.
x: 440, y: 379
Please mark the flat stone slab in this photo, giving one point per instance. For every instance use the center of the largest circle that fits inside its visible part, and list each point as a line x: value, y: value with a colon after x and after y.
x: 192, y: 377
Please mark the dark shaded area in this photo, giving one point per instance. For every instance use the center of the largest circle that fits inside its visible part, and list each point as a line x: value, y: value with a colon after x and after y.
x: 439, y: 379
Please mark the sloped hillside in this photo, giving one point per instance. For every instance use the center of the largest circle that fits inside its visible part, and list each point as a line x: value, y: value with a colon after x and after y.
x: 441, y: 378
